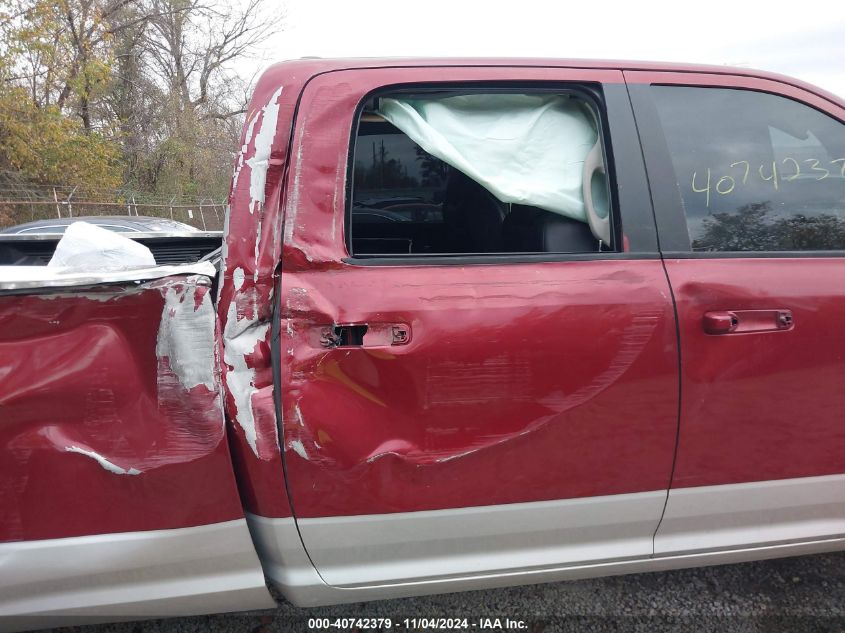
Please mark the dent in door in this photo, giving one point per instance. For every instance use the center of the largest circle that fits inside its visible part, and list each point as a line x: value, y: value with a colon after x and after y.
x: 488, y: 377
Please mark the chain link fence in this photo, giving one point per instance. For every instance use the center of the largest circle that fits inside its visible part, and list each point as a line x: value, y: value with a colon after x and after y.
x: 25, y: 202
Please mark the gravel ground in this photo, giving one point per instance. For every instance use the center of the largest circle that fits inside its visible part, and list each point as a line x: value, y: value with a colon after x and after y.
x: 797, y: 594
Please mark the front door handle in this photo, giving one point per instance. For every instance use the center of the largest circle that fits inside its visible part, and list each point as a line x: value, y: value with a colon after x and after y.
x: 363, y: 335
x: 745, y: 321
x: 720, y: 322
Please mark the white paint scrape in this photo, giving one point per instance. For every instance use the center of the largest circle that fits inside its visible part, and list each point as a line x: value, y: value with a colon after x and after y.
x: 102, y: 461
x: 240, y: 338
x: 299, y: 448
x: 186, y: 337
x: 260, y: 160
x: 238, y: 278
x: 250, y: 130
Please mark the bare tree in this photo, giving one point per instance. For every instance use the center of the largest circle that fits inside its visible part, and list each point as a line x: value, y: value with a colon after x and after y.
x: 192, y: 42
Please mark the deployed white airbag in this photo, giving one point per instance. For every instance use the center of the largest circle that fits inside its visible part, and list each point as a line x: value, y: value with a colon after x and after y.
x: 525, y: 149
x: 87, y: 247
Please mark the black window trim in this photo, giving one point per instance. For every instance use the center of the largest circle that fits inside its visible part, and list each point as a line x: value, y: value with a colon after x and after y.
x: 464, y: 259
x: 591, y: 92
x: 672, y: 232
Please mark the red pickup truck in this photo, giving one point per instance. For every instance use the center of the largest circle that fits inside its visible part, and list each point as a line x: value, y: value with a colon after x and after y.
x: 475, y: 323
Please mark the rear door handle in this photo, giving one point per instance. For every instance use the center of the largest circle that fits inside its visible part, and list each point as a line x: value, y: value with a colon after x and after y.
x: 745, y: 321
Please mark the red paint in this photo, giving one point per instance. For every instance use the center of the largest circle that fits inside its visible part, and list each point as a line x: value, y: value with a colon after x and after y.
x: 80, y: 373
x: 302, y: 70
x: 720, y: 322
x: 761, y: 405
x: 253, y: 245
x: 494, y: 400
x: 765, y: 404
x: 521, y: 382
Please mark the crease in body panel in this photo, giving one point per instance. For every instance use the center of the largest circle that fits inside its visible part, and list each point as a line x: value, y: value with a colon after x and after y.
x: 632, y: 343
x: 102, y: 461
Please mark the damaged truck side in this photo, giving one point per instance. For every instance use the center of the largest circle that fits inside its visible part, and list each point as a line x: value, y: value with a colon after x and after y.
x: 474, y: 324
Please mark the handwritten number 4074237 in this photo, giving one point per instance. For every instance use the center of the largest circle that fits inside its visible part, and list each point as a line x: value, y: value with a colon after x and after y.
x: 789, y: 169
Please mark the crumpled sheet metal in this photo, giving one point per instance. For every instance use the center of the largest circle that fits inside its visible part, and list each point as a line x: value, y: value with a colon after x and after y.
x: 111, y: 411
x: 493, y: 401
x: 251, y: 263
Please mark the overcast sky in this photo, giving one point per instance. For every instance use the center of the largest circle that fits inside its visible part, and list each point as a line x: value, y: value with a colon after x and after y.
x: 802, y: 39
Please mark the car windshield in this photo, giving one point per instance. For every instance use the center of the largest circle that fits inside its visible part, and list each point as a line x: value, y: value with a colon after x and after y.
x: 60, y: 229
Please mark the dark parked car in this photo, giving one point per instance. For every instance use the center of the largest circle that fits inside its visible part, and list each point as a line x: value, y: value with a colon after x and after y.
x: 33, y: 243
x: 116, y: 223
